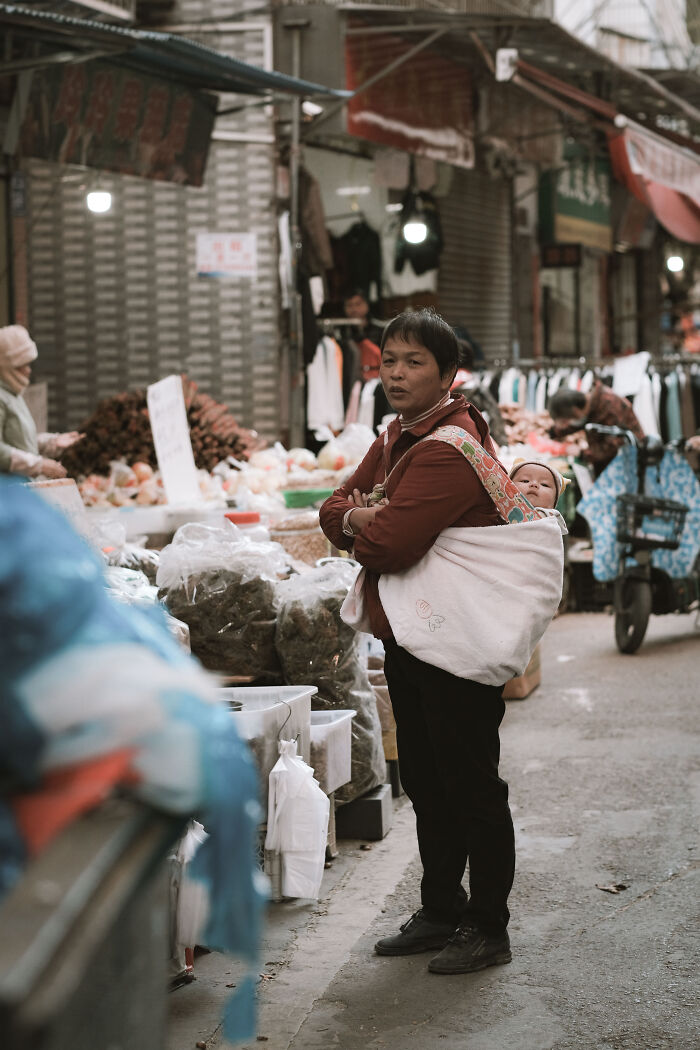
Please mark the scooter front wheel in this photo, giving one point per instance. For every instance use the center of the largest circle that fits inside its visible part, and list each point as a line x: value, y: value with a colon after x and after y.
x: 632, y: 612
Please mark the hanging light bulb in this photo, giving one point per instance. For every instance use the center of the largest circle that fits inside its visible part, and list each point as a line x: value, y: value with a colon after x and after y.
x: 415, y: 231
x: 413, y: 227
x: 99, y: 201
x: 675, y: 263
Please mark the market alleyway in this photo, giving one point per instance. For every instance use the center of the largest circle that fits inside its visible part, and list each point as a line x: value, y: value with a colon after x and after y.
x: 602, y: 761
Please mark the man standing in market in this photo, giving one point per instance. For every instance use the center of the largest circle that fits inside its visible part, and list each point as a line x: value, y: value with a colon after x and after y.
x: 572, y: 409
x: 447, y: 727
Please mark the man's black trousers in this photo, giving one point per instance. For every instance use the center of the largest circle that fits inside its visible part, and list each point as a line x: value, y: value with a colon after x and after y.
x: 448, y: 745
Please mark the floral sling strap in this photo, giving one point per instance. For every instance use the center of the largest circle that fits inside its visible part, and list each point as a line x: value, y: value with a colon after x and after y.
x: 509, y: 501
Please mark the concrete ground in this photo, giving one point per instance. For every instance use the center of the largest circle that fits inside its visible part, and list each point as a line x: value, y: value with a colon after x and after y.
x: 604, y: 772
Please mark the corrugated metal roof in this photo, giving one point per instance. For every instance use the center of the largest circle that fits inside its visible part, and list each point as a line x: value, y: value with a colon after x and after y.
x: 163, y: 54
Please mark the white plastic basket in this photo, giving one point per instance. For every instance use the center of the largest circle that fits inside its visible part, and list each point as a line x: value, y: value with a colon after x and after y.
x: 331, y: 743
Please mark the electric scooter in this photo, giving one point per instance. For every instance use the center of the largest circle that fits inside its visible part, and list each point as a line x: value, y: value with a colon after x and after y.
x: 647, y: 523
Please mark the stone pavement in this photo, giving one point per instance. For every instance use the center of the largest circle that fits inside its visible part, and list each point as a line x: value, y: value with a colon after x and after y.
x: 602, y: 762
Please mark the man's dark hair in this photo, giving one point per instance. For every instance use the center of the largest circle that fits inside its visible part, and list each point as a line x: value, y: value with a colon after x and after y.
x: 563, y: 401
x: 426, y: 328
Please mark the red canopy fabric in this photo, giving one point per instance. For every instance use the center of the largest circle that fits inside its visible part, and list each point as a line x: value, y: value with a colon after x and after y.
x: 662, y: 175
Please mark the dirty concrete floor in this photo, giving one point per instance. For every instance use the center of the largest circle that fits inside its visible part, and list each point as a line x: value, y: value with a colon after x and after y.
x: 604, y: 772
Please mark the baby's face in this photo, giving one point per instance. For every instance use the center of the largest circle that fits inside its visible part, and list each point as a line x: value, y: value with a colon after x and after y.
x: 537, y: 485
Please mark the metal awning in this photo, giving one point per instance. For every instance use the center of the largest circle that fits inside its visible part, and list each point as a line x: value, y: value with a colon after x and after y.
x: 469, y: 37
x: 173, y: 57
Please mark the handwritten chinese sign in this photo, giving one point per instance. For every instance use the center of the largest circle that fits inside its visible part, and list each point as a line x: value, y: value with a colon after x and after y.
x: 227, y: 255
x: 171, y: 437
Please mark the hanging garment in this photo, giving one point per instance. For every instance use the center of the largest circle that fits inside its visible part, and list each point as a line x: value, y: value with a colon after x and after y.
x: 644, y: 407
x: 587, y: 381
x: 531, y: 401
x: 555, y: 381
x: 351, y: 367
x: 407, y: 282
x: 541, y: 394
x: 573, y: 379
x: 673, y: 407
x: 316, y: 253
x: 324, y: 391
x: 370, y: 359
x: 366, y: 411
x: 353, y: 409
x: 687, y: 410
x: 285, y: 259
x: 361, y: 254
x: 656, y: 384
x: 673, y: 480
x: 505, y: 387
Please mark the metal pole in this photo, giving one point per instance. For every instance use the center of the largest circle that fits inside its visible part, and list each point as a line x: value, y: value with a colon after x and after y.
x: 296, y: 376
x: 330, y: 111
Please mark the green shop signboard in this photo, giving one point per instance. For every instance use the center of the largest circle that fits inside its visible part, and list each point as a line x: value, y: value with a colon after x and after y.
x: 574, y: 202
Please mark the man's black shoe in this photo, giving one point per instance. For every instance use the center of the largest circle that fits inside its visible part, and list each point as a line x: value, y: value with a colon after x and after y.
x: 417, y: 935
x: 469, y: 949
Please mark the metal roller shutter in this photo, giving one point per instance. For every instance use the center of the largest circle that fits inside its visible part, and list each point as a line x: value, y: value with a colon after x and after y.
x: 474, y: 284
x: 115, y: 302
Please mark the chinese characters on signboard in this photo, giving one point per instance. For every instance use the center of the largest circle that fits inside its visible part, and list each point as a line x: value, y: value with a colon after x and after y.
x: 97, y: 115
x: 574, y: 203
x: 226, y: 255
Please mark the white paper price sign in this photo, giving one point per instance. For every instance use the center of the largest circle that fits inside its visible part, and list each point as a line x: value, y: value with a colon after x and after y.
x: 171, y: 437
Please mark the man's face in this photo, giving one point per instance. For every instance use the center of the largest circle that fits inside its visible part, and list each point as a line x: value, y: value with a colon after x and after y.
x: 411, y: 378
x: 572, y: 422
x: 357, y: 307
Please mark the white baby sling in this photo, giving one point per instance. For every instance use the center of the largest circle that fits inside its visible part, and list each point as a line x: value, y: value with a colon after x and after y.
x: 480, y: 600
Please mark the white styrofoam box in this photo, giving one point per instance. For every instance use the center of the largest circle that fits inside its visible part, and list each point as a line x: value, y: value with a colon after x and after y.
x: 331, y: 743
x: 268, y: 714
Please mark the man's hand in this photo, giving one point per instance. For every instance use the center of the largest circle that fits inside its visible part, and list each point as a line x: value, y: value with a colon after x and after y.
x: 693, y: 443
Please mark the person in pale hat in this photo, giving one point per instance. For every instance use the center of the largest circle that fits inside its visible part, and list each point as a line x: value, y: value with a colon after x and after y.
x: 22, y: 450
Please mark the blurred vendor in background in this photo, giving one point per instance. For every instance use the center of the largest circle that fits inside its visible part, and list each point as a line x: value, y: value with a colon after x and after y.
x: 572, y: 409
x: 356, y: 306
x: 22, y: 450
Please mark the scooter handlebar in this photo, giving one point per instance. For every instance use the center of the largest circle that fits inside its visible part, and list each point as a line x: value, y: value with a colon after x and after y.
x: 599, y: 428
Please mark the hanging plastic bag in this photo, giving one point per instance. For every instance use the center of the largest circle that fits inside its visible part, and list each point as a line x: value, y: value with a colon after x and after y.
x: 192, y: 909
x: 297, y: 823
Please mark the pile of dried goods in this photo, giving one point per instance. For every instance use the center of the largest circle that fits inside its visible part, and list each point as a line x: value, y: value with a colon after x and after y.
x: 119, y: 428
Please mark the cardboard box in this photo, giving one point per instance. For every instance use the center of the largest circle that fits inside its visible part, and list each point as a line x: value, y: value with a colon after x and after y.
x: 521, y: 686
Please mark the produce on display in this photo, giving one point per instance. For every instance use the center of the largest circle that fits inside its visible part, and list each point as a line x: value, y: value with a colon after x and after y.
x: 301, y: 537
x: 119, y: 429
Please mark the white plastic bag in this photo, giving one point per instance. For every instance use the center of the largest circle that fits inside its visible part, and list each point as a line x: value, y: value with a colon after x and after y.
x: 297, y: 823
x: 192, y: 910
x: 348, y: 448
